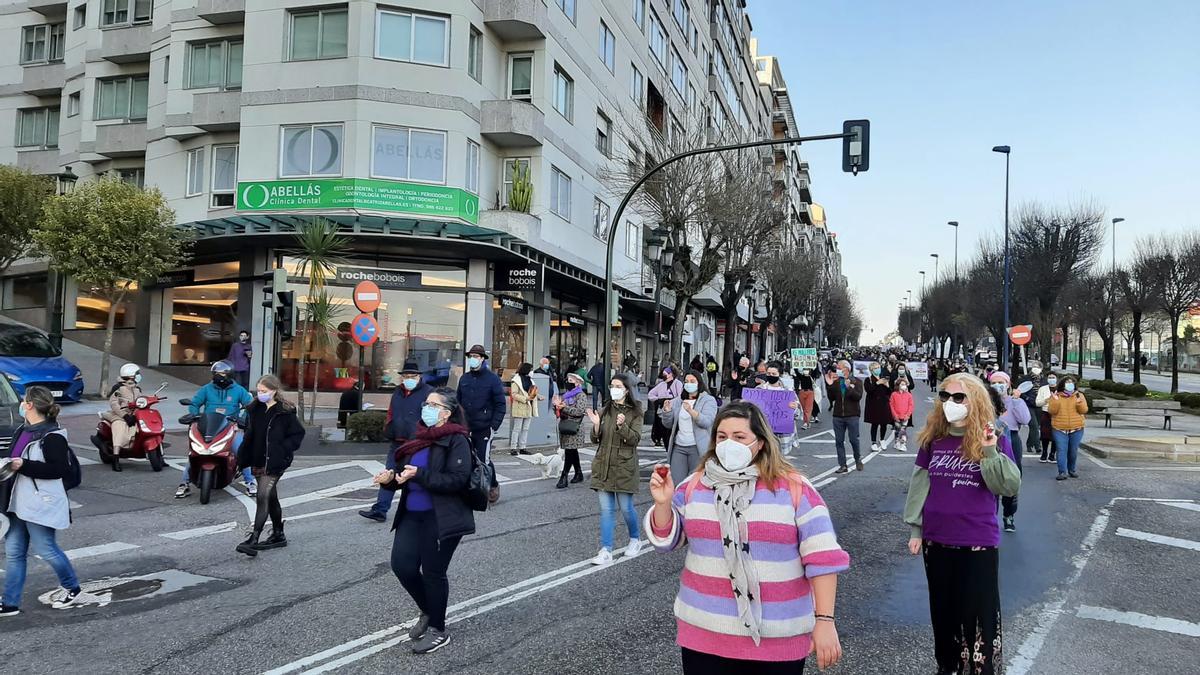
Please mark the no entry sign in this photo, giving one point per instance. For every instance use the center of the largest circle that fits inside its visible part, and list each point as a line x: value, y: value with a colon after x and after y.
x: 367, y: 296
x: 364, y: 330
x: 1020, y: 335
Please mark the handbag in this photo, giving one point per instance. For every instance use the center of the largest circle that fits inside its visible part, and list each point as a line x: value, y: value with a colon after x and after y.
x: 569, y: 426
x: 479, y: 485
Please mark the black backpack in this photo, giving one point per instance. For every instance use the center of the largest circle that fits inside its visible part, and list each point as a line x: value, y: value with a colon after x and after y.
x: 75, y: 473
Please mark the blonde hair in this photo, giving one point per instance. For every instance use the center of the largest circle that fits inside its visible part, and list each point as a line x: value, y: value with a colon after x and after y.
x: 772, y: 465
x: 273, y: 383
x: 980, y: 412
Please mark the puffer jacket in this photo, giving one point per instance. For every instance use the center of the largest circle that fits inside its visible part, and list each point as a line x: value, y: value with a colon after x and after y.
x: 481, y: 396
x: 224, y: 401
x: 615, y: 467
x: 123, y: 393
x: 1066, y: 413
x: 446, y: 477
x: 272, y: 437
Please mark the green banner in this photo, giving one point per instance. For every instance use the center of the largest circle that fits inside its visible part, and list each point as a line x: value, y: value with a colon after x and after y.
x: 358, y: 193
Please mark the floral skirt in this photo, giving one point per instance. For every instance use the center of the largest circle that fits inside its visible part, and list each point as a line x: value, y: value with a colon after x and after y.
x: 964, y: 607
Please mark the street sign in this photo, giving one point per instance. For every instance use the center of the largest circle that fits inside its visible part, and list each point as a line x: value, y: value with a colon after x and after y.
x: 364, y: 330
x: 367, y: 296
x: 1020, y: 335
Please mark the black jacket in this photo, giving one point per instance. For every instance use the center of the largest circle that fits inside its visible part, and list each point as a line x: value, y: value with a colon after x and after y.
x: 271, y: 439
x: 56, y: 464
x: 404, y: 412
x: 847, y: 404
x: 481, y: 396
x: 445, y: 478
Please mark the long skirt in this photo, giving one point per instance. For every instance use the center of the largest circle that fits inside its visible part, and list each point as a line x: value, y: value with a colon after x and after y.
x: 964, y: 607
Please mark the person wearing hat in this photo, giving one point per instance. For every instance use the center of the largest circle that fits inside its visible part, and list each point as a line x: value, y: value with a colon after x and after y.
x: 403, y: 413
x: 481, y: 395
x: 1016, y: 412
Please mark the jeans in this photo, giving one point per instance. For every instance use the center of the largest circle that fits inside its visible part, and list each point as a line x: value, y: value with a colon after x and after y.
x: 843, y: 426
x: 608, y: 516
x: 383, y: 503
x: 481, y: 444
x: 1010, y: 503
x: 1066, y: 445
x: 518, y: 436
x: 21, y: 537
x: 684, y: 460
x: 420, y: 561
x: 237, y: 443
x: 596, y: 399
x: 1035, y: 432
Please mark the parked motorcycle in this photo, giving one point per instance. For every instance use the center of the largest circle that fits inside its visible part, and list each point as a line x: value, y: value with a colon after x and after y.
x: 148, y: 432
x: 212, y: 461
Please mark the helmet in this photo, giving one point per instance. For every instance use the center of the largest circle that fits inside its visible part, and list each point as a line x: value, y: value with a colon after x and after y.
x: 222, y: 368
x: 129, y: 371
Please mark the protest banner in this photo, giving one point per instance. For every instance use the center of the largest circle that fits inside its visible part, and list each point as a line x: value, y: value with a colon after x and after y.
x: 776, y: 405
x: 804, y: 359
x: 862, y: 369
x: 918, y: 369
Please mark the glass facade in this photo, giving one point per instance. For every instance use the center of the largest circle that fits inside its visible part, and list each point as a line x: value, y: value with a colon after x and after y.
x: 27, y: 292
x: 91, y: 309
x: 509, y: 327
x: 571, y: 334
x: 203, y: 316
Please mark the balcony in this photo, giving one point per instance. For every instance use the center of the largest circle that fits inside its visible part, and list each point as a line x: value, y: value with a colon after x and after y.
x: 48, y: 7
x: 805, y: 191
x: 39, y: 162
x: 217, y: 111
x: 512, y: 124
x: 218, y: 12
x: 516, y: 20
x: 120, y: 140
x: 44, y: 80
x: 129, y: 44
x: 523, y: 226
x: 805, y: 214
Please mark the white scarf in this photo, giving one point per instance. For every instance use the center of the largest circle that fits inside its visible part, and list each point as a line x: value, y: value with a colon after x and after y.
x: 734, y: 491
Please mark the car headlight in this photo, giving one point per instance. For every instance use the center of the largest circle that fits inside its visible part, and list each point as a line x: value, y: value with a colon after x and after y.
x: 12, y: 378
x: 78, y: 375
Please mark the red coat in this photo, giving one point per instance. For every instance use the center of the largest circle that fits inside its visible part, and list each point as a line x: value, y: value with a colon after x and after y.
x: 901, y: 403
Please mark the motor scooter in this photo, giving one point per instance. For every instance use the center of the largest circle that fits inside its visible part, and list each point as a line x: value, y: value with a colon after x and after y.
x: 148, y: 432
x: 212, y: 461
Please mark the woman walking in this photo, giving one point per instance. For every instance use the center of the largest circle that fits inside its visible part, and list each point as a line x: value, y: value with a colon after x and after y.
x: 1045, y: 392
x: 273, y: 434
x: 962, y: 467
x: 432, y: 517
x: 690, y: 418
x: 617, y: 428
x: 1067, y: 408
x: 806, y: 392
x: 667, y: 388
x: 759, y: 584
x: 878, y: 410
x: 35, y: 501
x: 713, y: 369
x: 1014, y: 413
x: 524, y: 409
x: 572, y: 408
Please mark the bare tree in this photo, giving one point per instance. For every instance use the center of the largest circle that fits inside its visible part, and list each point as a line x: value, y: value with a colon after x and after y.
x: 1099, y: 305
x: 1137, y: 293
x: 792, y: 279
x: 908, y: 324
x: 1173, y: 272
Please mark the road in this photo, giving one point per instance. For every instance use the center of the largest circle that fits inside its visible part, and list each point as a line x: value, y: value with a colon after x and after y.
x: 1153, y: 380
x: 1099, y: 577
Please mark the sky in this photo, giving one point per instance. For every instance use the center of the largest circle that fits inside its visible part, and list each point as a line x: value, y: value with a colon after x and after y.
x: 1099, y: 100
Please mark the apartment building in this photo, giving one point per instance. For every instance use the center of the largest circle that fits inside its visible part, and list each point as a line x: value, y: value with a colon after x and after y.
x: 406, y: 123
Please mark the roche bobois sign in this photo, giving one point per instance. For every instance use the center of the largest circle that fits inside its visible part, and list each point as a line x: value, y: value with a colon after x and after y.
x: 526, y: 276
x: 358, y: 193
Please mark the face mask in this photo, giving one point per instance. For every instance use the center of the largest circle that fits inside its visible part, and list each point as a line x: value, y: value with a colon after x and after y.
x: 691, y: 387
x: 265, y: 398
x: 904, y: 387
x: 1001, y: 388
x: 546, y: 367
x: 771, y: 379
x: 21, y: 410
x: 1069, y: 387
x: 954, y: 412
x: 410, y: 383
x: 474, y: 362
x: 430, y: 415
x: 1052, y: 381
x: 616, y: 393
x: 734, y: 456
x: 875, y: 372
x: 1036, y: 371
x: 842, y: 374
x: 244, y: 338
x: 221, y: 380
x: 901, y: 371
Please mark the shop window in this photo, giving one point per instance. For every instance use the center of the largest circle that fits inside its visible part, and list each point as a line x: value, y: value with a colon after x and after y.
x: 407, y: 36
x: 311, y: 150
x: 203, y: 321
x: 408, y: 154
x: 27, y: 292
x: 320, y: 34
x: 91, y: 310
x: 509, y: 324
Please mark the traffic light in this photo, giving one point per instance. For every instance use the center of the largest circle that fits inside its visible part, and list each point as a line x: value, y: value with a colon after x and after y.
x: 285, y: 314
x: 856, y: 146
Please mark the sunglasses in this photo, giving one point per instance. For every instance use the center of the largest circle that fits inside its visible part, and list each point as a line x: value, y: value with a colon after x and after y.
x: 946, y: 396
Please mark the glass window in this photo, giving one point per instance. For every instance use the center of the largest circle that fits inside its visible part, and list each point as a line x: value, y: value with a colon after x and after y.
x: 409, y: 154
x: 633, y: 240
x: 568, y: 8
x: 658, y: 40
x: 195, y: 172
x: 91, y: 310
x: 203, y: 321
x: 600, y: 217
x: 639, y: 13
x: 27, y: 291
x: 115, y: 12
x: 42, y: 44
x: 678, y: 72
x: 520, y: 76
x: 311, y: 150
x: 72, y: 104
x: 26, y: 342
x: 475, y: 54
x: 215, y: 64
x: 80, y: 17
x: 564, y: 92
x: 637, y: 85
x: 603, y: 134
x: 679, y: 10
x: 508, y: 335
x: 560, y: 194
x: 472, y: 182
x: 608, y: 48
x: 406, y: 36
x: 224, y: 177
x: 132, y: 176
x: 318, y: 35
x: 122, y: 98
x: 37, y: 127
x: 511, y: 165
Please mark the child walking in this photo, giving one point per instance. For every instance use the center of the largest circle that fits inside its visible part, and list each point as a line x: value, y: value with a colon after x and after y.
x: 901, y: 403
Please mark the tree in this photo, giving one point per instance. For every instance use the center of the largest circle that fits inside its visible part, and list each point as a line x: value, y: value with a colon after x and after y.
x: 1174, y: 274
x: 320, y: 249
x: 110, y: 236
x: 322, y: 314
x: 22, y: 195
x: 984, y: 286
x: 1099, y: 306
x: 792, y: 279
x: 1137, y: 293
x: 908, y: 324
x: 843, y: 320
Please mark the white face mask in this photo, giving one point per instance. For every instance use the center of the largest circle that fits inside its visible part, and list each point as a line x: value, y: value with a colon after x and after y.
x: 954, y: 412
x: 1036, y: 371
x: 734, y: 456
x: 616, y: 393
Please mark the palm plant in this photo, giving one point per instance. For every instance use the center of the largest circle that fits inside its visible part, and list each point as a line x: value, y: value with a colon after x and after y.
x: 322, y: 316
x: 320, y: 249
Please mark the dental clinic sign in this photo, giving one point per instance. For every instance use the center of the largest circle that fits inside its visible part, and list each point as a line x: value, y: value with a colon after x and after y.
x: 358, y: 193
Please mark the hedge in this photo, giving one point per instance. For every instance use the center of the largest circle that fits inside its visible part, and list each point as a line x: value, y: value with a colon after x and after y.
x: 366, y: 426
x: 1188, y: 399
x: 1125, y: 389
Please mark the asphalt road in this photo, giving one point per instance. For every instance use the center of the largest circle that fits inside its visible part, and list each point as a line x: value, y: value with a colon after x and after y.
x: 524, y: 599
x: 1150, y: 378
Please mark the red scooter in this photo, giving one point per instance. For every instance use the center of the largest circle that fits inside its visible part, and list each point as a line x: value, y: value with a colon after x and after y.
x: 212, y: 460
x: 148, y: 434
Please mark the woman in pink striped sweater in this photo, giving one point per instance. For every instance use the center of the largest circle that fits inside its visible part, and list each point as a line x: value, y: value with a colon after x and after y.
x: 760, y: 579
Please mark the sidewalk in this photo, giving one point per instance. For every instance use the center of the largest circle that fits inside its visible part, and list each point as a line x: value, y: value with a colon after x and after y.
x: 1125, y: 440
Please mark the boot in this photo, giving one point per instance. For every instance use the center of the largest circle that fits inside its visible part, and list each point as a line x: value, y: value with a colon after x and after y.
x: 116, y: 465
x: 249, y: 547
x: 578, y: 477
x: 277, y: 539
x: 562, y: 481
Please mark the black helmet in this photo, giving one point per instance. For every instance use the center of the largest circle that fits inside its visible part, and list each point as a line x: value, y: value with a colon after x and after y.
x: 222, y: 373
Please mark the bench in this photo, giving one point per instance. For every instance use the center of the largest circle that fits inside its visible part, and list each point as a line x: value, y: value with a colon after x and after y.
x: 1136, y: 411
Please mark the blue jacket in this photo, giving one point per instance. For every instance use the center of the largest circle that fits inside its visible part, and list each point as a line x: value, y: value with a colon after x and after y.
x: 481, y: 395
x: 404, y: 412
x: 227, y: 401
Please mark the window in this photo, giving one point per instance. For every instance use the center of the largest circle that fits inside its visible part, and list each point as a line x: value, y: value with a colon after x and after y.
x: 215, y: 64
x: 472, y: 182
x: 679, y: 10
x: 568, y: 8
x: 418, y: 38
x: 603, y: 134
x: 560, y: 194
x: 136, y: 177
x: 115, y: 12
x: 564, y: 93
x: 224, y: 175
x: 72, y: 104
x: 408, y: 154
x: 122, y: 98
x: 311, y: 150
x: 195, y: 172
x: 166, y: 69
x: 692, y: 100
x: 608, y: 48
x: 475, y: 54
x: 633, y: 241
x: 37, y: 127
x: 319, y: 34
x: 80, y: 17
x: 511, y: 165
x: 520, y: 76
x: 678, y: 72
x: 695, y: 44
x: 42, y: 44
x: 637, y: 85
x: 600, y: 215
x: 658, y: 40
x: 639, y: 13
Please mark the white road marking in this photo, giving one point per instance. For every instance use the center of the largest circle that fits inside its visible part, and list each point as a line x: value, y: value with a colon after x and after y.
x: 1103, y: 465
x: 1159, y: 539
x: 205, y: 531
x: 314, y: 514
x: 325, y: 493
x: 102, y: 549
x: 813, y: 437
x: 1190, y: 506
x: 1159, y: 623
x: 84, y: 461
x: 501, y: 478
x: 825, y: 482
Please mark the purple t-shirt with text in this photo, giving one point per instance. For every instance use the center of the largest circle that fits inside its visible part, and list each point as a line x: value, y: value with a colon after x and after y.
x: 960, y: 510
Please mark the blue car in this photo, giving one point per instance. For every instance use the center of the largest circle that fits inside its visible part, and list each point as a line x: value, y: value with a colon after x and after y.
x: 27, y: 358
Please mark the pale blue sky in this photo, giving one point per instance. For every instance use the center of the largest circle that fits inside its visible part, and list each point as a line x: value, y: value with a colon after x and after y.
x: 1099, y: 99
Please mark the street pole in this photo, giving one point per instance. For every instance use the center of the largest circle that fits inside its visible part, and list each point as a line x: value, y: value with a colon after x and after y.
x: 1112, y: 315
x: 936, y: 262
x: 1007, y: 151
x: 657, y: 314
x: 954, y: 224
x: 922, y: 273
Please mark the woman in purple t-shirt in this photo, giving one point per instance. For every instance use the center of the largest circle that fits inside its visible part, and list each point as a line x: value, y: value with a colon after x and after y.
x: 962, y: 467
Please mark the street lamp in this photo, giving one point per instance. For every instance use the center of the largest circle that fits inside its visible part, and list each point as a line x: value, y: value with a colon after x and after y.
x: 1112, y: 318
x: 922, y: 273
x: 954, y: 224
x: 1007, y: 152
x: 909, y: 291
x: 751, y: 296
x: 64, y: 184
x: 661, y: 257
x: 935, y: 267
x: 1114, y: 246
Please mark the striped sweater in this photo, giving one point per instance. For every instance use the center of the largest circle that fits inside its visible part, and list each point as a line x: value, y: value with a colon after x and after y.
x: 789, y: 547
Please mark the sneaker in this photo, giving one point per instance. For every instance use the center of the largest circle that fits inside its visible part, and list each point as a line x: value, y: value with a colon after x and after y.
x: 816, y: 420
x: 1009, y: 525
x: 1072, y: 474
x: 858, y: 465
x: 418, y: 630
x: 634, y: 548
x: 433, y: 640
x: 371, y: 514
x: 903, y: 447
x: 604, y: 557
x: 1061, y: 476
x: 842, y: 469
x: 875, y: 447
x: 184, y: 490
x: 1043, y: 460
x: 252, y: 489
x: 9, y: 610
x: 68, y: 600
x: 805, y: 427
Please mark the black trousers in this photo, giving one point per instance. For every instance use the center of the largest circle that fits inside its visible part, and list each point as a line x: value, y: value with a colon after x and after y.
x: 571, y: 461
x: 699, y: 663
x: 1010, y: 503
x: 267, y: 504
x: 420, y: 560
x: 964, y: 608
x: 481, y: 444
x: 878, y: 432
